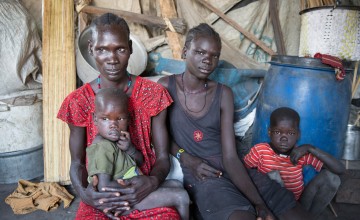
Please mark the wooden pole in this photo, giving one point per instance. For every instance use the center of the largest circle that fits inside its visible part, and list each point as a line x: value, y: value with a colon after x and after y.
x: 279, y: 39
x: 168, y: 11
x: 234, y: 24
x: 59, y: 79
x: 150, y: 21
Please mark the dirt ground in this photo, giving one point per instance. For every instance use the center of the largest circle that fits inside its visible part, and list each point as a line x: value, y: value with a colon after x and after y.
x: 344, y: 211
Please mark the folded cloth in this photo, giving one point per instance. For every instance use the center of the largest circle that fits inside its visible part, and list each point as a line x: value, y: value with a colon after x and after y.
x: 333, y: 62
x: 29, y: 197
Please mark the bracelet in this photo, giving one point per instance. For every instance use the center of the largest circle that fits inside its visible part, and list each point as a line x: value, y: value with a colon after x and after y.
x: 131, y: 153
x: 178, y: 154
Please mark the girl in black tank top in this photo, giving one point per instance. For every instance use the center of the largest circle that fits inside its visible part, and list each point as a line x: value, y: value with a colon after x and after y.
x: 203, y: 139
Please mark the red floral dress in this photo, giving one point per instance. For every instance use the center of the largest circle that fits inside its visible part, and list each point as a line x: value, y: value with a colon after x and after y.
x: 147, y: 100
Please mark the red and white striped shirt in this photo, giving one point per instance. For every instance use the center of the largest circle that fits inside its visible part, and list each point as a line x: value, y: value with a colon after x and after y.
x: 264, y: 158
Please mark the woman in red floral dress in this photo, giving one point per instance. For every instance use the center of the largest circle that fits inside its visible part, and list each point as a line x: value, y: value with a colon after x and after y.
x: 111, y: 48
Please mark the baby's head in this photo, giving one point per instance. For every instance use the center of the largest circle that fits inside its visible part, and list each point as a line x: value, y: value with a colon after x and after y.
x: 284, y: 129
x: 111, y: 113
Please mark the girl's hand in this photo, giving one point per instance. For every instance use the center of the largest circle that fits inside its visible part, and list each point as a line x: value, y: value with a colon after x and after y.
x: 263, y: 213
x: 200, y: 168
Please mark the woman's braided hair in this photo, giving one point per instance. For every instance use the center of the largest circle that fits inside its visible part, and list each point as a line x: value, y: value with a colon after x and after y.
x: 109, y: 19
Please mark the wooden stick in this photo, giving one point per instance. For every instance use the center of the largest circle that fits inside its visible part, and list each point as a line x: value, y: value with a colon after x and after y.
x: 346, y: 164
x: 168, y: 9
x: 233, y: 23
x: 274, y: 15
x: 333, y: 210
x: 355, y: 75
x: 358, y: 81
x: 151, y: 21
x: 357, y: 121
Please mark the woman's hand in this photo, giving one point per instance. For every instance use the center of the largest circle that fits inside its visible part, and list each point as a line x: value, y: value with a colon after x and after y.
x: 108, y: 201
x: 199, y: 168
x: 135, y: 189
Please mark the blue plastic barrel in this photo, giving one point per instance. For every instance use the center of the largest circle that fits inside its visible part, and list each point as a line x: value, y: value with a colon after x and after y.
x: 309, y: 87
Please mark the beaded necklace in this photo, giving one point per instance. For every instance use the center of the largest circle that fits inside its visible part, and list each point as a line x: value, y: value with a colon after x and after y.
x: 205, y: 88
x: 125, y: 90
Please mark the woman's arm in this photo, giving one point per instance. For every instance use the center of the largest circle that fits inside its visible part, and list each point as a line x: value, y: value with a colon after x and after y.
x: 78, y: 172
x: 231, y: 161
x: 160, y: 140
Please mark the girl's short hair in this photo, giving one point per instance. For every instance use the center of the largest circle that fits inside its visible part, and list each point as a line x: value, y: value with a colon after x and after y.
x: 201, y: 30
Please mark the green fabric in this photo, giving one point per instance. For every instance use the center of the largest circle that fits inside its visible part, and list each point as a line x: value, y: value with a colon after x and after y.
x: 105, y: 157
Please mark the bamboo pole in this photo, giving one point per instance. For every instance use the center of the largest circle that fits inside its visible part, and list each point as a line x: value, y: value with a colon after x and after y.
x: 59, y: 79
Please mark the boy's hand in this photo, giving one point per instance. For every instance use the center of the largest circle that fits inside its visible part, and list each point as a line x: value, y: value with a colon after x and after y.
x: 298, y: 152
x: 124, y: 142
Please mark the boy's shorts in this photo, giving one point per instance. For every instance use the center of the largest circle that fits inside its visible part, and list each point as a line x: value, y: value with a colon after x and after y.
x: 277, y: 198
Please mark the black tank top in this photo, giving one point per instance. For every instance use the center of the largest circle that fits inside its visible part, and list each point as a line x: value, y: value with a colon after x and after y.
x: 198, y: 136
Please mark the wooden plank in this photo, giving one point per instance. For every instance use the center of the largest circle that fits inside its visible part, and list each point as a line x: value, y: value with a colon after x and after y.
x: 234, y: 24
x: 168, y: 10
x: 59, y: 79
x: 274, y: 16
x: 224, y: 7
x: 151, y: 21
